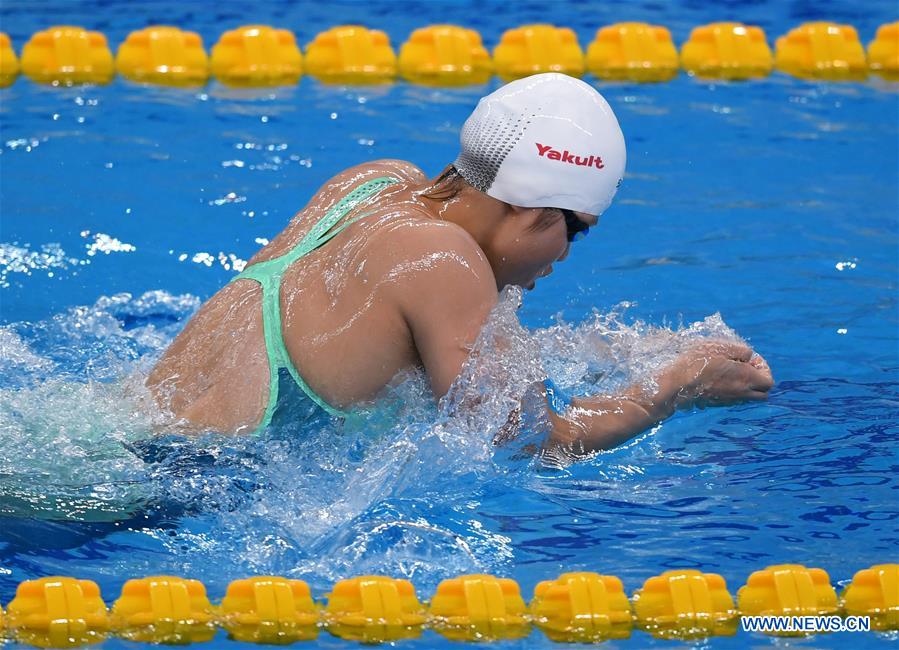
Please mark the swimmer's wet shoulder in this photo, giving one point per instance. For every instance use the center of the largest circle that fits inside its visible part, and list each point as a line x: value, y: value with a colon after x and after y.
x: 443, y: 288
x: 269, y: 274
x: 344, y: 331
x: 414, y: 275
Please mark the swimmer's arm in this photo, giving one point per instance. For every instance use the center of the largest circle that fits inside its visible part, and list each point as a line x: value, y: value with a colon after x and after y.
x: 444, y: 289
x: 710, y: 374
x: 605, y: 421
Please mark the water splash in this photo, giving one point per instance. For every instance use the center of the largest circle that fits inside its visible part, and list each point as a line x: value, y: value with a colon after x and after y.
x: 399, y: 492
x: 21, y: 259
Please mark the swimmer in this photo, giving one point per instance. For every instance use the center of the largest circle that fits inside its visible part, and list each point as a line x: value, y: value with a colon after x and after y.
x: 385, y: 270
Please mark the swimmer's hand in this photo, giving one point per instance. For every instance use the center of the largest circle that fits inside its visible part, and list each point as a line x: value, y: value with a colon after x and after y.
x: 714, y: 373
x: 717, y: 374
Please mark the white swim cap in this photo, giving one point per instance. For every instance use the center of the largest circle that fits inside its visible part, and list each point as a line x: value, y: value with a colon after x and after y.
x: 545, y: 141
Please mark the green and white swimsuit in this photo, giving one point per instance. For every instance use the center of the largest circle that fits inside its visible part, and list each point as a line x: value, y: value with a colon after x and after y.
x: 269, y: 274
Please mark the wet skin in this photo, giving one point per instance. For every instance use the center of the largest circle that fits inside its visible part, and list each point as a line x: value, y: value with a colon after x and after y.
x: 411, y: 284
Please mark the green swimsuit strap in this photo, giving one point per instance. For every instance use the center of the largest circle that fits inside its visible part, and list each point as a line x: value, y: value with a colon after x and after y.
x: 269, y: 274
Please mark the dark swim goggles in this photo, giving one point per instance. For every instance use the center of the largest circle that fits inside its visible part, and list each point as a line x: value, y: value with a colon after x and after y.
x: 577, y: 229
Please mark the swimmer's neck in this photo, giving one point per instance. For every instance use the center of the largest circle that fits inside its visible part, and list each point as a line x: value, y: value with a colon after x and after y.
x: 473, y: 211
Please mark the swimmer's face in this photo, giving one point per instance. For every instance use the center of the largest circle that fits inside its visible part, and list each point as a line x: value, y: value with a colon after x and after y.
x: 529, y: 241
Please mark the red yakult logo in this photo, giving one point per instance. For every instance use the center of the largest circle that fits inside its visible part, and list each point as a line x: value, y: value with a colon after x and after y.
x: 547, y: 151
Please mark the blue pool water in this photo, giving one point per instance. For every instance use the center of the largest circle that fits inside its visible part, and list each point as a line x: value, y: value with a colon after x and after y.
x: 773, y: 203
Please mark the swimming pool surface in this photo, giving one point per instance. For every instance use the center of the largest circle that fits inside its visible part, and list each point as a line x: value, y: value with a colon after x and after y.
x: 773, y: 202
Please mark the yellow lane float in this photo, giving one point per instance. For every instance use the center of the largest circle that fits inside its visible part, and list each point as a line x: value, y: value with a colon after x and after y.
x: 269, y: 609
x: 727, y: 51
x: 822, y: 50
x: 165, y: 55
x: 374, y: 609
x: 9, y: 63
x: 883, y: 52
x: 633, y: 52
x: 532, y: 49
x: 787, y: 590
x: 479, y: 608
x: 67, y: 55
x: 164, y: 609
x: 257, y: 55
x: 445, y: 55
x: 351, y: 54
x: 57, y: 612
x: 685, y: 604
x: 582, y: 608
x: 874, y: 592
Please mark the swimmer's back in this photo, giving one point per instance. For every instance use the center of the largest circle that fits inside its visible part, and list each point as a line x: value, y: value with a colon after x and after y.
x: 343, y: 328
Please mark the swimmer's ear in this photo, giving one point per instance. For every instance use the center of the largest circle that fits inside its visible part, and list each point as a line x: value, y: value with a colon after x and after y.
x: 527, y: 216
x: 548, y: 217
